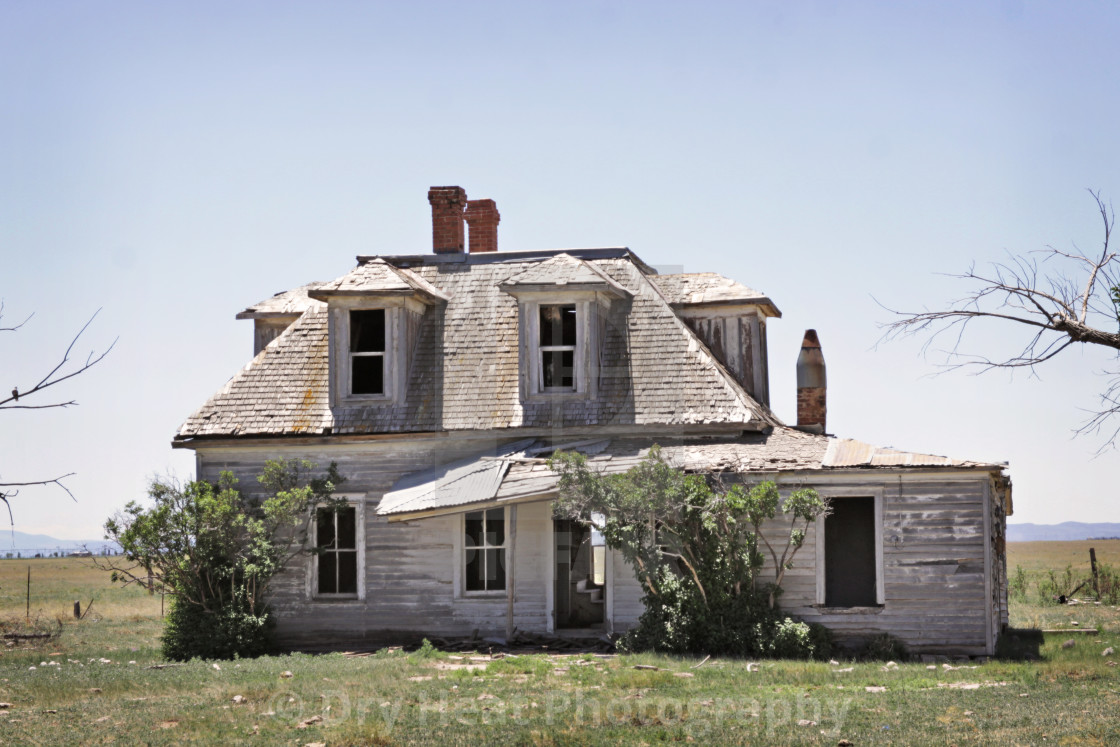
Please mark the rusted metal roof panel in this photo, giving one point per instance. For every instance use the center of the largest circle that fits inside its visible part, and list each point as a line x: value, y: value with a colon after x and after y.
x: 846, y: 452
x: 471, y: 480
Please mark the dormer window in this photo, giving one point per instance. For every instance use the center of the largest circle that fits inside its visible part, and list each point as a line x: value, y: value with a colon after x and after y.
x: 557, y: 349
x: 375, y: 312
x: 562, y: 305
x: 367, y: 351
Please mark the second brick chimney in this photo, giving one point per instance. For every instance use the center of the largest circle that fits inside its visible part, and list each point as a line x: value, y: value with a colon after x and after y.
x: 812, y: 386
x: 447, y: 219
x: 482, y: 217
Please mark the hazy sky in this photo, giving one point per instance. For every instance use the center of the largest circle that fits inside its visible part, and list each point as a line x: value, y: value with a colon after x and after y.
x: 173, y: 163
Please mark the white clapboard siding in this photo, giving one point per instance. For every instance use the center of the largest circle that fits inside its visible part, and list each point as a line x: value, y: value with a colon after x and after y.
x: 934, y: 587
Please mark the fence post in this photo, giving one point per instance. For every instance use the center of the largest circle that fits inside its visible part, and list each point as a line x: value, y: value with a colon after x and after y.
x: 77, y: 610
x: 1093, y: 563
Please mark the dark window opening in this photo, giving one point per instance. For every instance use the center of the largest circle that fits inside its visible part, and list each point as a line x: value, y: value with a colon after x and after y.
x: 558, y: 347
x: 336, y: 537
x: 849, y: 553
x: 367, y: 351
x: 484, y: 550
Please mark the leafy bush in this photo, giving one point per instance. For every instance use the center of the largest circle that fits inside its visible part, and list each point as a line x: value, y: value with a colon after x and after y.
x: 215, y: 551
x: 231, y: 631
x: 798, y: 640
x: 697, y: 548
x: 426, y: 650
x: 679, y: 621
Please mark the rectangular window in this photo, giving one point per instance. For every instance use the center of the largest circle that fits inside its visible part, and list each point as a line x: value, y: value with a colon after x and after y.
x: 336, y: 540
x: 484, y: 548
x: 367, y: 351
x: 849, y: 553
x: 557, y: 348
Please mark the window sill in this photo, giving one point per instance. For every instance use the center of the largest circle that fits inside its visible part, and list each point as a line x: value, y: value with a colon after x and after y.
x: 538, y: 397
x: 335, y: 598
x: 483, y: 594
x: 365, y: 400
x: 867, y: 610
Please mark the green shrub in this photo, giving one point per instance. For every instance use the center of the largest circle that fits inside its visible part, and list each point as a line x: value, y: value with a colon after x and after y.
x: 1109, y: 583
x: 232, y: 631
x: 798, y: 640
x: 679, y: 621
x: 1018, y: 585
x: 426, y: 650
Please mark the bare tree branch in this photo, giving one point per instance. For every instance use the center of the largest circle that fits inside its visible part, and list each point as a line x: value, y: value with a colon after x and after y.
x: 1058, y: 298
x: 13, y: 329
x: 56, y: 375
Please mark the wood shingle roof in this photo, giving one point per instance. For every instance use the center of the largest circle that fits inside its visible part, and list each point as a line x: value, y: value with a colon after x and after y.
x: 463, y: 371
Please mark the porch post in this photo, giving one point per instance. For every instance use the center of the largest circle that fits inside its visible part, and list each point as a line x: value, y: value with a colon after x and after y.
x: 512, y: 576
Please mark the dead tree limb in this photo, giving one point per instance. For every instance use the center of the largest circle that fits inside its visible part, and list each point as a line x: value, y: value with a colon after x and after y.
x: 63, y: 370
x: 1054, y: 298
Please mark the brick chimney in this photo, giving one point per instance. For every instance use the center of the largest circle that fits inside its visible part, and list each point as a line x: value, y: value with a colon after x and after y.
x: 812, y: 385
x: 447, y: 218
x: 482, y: 217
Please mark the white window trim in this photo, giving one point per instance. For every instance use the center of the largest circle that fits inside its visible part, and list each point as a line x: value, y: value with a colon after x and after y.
x: 542, y: 349
x: 358, y: 502
x: 383, y: 355
x: 394, y: 354
x: 818, y: 526
x: 585, y: 363
x: 459, y: 566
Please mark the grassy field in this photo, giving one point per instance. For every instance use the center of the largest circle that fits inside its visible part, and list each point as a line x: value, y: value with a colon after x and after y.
x: 102, y: 681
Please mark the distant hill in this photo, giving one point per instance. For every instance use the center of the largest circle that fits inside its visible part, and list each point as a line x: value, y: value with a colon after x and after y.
x: 1067, y: 530
x: 30, y: 544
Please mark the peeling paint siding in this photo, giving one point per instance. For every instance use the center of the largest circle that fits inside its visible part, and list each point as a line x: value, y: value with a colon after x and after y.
x: 628, y: 594
x: 933, y: 566
x: 409, y: 567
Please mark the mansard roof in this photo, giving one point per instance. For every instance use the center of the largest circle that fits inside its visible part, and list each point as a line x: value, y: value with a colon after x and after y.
x: 710, y: 289
x: 463, y: 370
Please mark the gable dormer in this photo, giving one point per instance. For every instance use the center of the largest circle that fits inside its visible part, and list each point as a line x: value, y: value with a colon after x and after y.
x: 274, y: 315
x: 731, y: 320
x: 374, y: 313
x: 562, y: 304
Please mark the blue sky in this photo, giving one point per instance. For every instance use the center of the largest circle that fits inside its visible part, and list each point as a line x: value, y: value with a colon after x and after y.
x: 173, y: 163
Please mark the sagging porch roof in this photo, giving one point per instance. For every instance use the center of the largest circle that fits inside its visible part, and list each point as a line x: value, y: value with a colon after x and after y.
x: 517, y: 472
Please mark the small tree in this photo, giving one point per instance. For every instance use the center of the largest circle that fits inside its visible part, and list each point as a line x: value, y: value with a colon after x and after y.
x: 695, y: 550
x: 761, y: 503
x: 216, y: 552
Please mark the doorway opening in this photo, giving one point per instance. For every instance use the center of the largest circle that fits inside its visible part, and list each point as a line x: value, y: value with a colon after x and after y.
x: 580, y: 575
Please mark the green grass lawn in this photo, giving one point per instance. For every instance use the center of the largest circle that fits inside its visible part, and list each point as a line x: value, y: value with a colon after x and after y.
x: 99, y: 686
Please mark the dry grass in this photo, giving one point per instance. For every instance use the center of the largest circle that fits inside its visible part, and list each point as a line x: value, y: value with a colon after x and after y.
x: 1044, y: 556
x: 56, y: 583
x: 102, y: 688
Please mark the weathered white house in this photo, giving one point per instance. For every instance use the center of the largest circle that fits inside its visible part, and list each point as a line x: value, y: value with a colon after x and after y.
x: 440, y: 382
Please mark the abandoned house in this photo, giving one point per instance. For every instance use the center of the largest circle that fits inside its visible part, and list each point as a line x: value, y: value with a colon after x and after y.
x: 440, y: 382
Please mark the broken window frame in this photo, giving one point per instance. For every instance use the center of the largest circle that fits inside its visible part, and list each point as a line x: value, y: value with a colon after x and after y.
x: 585, y: 370
x: 543, y: 350
x: 357, y: 504
x: 839, y: 493
x: 486, y: 546
x: 352, y: 354
x: 341, y: 358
